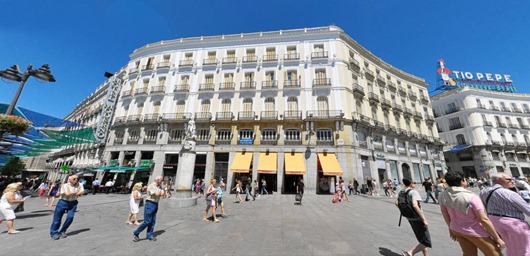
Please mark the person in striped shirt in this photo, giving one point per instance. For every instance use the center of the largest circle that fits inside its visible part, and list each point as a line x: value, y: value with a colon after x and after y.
x: 507, y: 210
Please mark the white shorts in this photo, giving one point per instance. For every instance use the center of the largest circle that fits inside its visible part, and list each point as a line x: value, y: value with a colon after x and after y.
x: 9, y: 214
x: 210, y: 202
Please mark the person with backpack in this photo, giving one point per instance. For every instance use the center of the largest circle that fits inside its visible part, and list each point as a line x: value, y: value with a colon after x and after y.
x: 466, y: 218
x: 408, y: 203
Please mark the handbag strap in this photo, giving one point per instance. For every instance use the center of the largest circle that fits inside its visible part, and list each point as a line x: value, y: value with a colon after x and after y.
x: 488, y: 198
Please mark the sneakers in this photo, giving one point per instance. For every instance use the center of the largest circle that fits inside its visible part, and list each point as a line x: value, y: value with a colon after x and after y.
x: 55, y: 237
x: 135, y: 238
x: 152, y: 239
x: 404, y: 253
x: 63, y: 235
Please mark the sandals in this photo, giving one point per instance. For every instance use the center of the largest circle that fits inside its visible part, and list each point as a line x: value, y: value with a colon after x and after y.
x: 13, y: 232
x: 216, y: 221
x: 205, y: 220
x: 128, y: 223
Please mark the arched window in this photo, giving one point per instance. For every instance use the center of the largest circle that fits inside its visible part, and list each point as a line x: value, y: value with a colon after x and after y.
x: 180, y: 106
x: 460, y: 139
x: 247, y: 104
x: 140, y: 109
x: 205, y: 106
x: 156, y: 107
x: 225, y: 105
x: 269, y: 104
x: 292, y: 104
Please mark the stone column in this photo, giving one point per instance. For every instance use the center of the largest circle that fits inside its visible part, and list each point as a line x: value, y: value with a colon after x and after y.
x: 185, y: 169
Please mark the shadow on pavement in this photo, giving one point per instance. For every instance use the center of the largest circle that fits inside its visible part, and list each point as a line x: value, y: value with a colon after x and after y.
x: 75, y: 232
x: 159, y: 232
x: 25, y: 216
x: 42, y: 211
x: 19, y: 229
x: 387, y: 252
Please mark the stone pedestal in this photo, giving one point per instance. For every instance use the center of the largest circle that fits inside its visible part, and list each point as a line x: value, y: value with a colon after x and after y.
x: 183, y: 196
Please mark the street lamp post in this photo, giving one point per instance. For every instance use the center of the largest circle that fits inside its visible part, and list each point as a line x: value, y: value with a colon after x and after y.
x: 13, y: 74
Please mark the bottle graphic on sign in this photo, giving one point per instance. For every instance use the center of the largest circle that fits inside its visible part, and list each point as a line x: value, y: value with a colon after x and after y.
x: 444, y: 73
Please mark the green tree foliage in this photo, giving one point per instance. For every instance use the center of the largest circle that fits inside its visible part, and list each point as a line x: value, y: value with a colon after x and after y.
x: 13, y: 167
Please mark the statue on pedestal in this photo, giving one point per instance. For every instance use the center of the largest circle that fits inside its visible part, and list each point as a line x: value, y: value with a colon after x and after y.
x: 191, y: 134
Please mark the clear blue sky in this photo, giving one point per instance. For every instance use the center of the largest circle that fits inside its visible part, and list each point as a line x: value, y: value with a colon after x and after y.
x: 82, y: 39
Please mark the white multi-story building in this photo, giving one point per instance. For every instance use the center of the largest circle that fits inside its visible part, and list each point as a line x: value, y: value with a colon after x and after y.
x: 278, y: 106
x: 485, y: 131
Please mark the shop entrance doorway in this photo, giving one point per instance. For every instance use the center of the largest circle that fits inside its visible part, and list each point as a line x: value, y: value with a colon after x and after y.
x: 289, y: 183
x: 270, y: 179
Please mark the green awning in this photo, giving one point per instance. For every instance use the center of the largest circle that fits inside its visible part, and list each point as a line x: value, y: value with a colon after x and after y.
x: 120, y: 168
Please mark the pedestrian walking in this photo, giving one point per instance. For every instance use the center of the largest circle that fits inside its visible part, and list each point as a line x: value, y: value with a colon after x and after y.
x: 248, y: 191
x: 392, y: 188
x: 350, y: 188
x: 427, y: 184
x: 154, y: 193
x: 167, y: 188
x: 52, y: 193
x: 375, y: 190
x: 507, y: 210
x: 264, y: 187
x: 134, y: 204
x: 418, y: 222
x: 67, y: 203
x: 300, y: 189
x: 95, y: 186
x: 198, y: 188
x: 255, y: 187
x: 211, y: 200
x: 466, y: 218
x: 10, y: 200
x: 386, y: 187
x: 108, y: 186
x: 220, y: 192
x: 43, y: 188
x: 356, y: 186
x: 238, y: 190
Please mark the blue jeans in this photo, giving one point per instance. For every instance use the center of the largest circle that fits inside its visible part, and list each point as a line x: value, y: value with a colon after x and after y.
x: 150, y: 210
x: 429, y: 194
x: 63, y: 207
x: 264, y: 190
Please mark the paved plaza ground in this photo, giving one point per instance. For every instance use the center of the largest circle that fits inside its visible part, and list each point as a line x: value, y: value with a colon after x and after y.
x: 271, y: 225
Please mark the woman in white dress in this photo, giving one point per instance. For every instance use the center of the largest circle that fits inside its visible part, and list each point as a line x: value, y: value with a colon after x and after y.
x: 9, y: 201
x: 136, y: 197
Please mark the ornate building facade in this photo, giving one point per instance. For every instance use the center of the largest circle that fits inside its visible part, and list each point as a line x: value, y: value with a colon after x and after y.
x: 282, y: 105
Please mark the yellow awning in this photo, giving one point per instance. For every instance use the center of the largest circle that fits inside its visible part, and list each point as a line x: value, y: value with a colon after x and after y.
x: 242, y: 162
x: 330, y: 164
x: 268, y: 163
x: 294, y: 164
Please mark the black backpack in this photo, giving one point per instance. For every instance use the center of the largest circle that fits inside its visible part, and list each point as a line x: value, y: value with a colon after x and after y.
x: 405, y: 206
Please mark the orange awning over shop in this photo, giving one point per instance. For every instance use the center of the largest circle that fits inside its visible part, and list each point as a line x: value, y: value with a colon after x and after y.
x: 294, y: 164
x: 241, y: 162
x: 330, y: 164
x: 268, y: 163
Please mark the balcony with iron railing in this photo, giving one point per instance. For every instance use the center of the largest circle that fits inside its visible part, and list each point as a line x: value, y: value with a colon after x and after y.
x: 321, y: 114
x: 270, y: 57
x: 407, y: 111
x: 177, y: 117
x: 163, y: 64
x: 319, y: 82
x: 517, y: 109
x: 134, y: 118
x: 370, y: 74
x: 396, y: 106
x: 358, y: 89
x: 228, y: 86
x: 506, y: 109
x: 402, y: 91
x: 203, y: 116
x: 292, y: 115
x: 246, y: 115
x: 269, y: 84
x: 525, y: 126
x: 224, y: 116
x: 186, y: 63
x: 386, y: 103
x: 133, y: 70
x: 381, y: 80
x: 496, y: 108
x: 487, y: 123
x: 120, y: 119
x: 158, y: 89
x: 392, y: 86
x: 513, y: 126
x: 126, y: 94
x: 451, y: 110
x: 418, y: 114
x: 151, y: 118
x: 319, y: 55
x: 230, y: 60
x: 482, y: 106
x: 148, y: 67
x: 379, y: 124
x: 424, y: 99
x: 206, y: 87
x: 412, y: 96
x: 373, y: 97
x: 291, y: 56
x: 502, y: 124
x: 269, y: 115
x: 354, y: 64
x: 248, y: 85
x: 250, y: 59
x: 293, y: 83
x: 367, y: 120
x: 455, y: 126
x: 182, y: 88
x: 223, y: 138
x: 141, y: 91
x: 209, y: 61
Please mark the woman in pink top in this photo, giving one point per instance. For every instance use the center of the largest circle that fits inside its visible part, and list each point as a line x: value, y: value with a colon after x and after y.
x: 466, y: 218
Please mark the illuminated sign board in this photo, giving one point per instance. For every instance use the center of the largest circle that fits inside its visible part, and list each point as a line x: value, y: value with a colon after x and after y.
x: 448, y: 80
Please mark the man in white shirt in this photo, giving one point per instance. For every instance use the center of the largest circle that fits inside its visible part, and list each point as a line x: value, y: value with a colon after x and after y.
x: 69, y: 192
x: 108, y: 186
